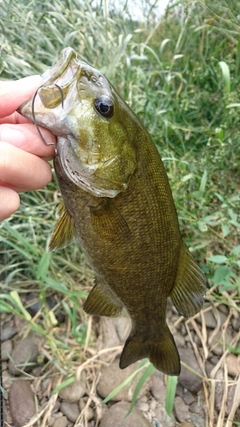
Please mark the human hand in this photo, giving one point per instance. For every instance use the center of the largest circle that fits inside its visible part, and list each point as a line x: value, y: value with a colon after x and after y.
x: 23, y: 155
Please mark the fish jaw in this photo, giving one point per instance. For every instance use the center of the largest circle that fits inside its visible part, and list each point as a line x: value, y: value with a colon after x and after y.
x: 103, y: 160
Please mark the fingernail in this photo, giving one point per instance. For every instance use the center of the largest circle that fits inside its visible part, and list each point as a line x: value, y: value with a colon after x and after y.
x: 12, y: 136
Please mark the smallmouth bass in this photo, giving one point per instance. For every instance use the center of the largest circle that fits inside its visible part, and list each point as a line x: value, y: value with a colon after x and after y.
x: 118, y: 202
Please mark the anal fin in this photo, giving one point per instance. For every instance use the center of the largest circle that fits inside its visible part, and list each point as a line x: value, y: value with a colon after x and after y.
x: 190, y: 285
x: 63, y: 233
x: 99, y: 303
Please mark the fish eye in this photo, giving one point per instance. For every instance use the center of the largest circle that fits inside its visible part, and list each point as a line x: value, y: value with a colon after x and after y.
x: 104, y: 106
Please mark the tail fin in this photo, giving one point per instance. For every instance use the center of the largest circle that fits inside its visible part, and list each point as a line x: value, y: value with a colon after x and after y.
x: 162, y: 353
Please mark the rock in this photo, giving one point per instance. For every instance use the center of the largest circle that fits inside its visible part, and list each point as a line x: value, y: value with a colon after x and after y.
x: 72, y: 392
x: 6, y: 349
x: 60, y: 422
x: 233, y: 364
x: 115, y: 417
x: 181, y: 409
x: 158, y: 387
x: 25, y: 352
x: 112, y: 376
x: 71, y: 410
x: 21, y: 402
x: 188, y: 379
x: 217, y: 343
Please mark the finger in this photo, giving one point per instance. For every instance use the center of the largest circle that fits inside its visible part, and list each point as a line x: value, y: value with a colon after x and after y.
x: 22, y: 171
x: 14, y: 93
x: 14, y: 118
x: 10, y: 202
x: 26, y: 137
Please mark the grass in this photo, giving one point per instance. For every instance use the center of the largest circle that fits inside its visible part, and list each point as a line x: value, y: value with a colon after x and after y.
x: 181, y: 76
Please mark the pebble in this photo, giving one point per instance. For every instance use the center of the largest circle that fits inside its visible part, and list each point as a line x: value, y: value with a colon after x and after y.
x: 21, y: 402
x: 219, y: 392
x: 7, y: 332
x: 88, y: 412
x: 6, y: 349
x: 186, y: 424
x: 71, y: 410
x: 210, y: 317
x: 115, y: 417
x: 108, y: 333
x: 181, y: 409
x: 143, y: 406
x: 72, y: 392
x: 112, y: 376
x: 188, y: 379
x: 158, y: 387
x: 60, y: 422
x: 122, y: 325
x: 217, y: 343
x: 236, y: 323
x: 25, y: 352
x: 195, y: 408
x: 7, y: 380
x: 233, y: 364
x: 198, y: 421
x: 185, y: 394
x: 163, y: 418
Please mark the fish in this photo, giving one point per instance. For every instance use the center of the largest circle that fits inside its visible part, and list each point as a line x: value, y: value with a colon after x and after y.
x: 118, y: 203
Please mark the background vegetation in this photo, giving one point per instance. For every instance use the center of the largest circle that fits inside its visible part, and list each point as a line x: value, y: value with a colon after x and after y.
x: 181, y: 75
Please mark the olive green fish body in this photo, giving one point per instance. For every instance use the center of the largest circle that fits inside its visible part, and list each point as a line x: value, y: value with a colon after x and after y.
x: 118, y: 201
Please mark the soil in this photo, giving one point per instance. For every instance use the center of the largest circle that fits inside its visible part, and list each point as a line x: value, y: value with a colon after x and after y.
x: 208, y: 390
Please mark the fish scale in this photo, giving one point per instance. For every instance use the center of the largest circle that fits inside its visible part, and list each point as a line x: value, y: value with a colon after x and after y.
x: 118, y: 202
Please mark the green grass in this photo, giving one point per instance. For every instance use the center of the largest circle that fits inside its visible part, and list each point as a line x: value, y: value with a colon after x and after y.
x: 181, y: 76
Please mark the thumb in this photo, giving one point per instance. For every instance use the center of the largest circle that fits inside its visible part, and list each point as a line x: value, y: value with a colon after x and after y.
x: 14, y: 93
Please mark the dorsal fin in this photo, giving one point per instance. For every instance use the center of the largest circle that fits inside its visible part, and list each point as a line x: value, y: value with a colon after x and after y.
x: 190, y: 285
x: 63, y: 233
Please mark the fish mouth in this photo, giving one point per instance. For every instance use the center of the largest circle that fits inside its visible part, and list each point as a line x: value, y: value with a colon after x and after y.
x: 64, y: 104
x: 49, y: 106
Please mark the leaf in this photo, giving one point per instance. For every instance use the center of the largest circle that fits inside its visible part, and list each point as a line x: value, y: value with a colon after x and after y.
x: 170, y: 394
x: 124, y: 383
x: 43, y: 265
x: 203, y: 182
x: 64, y: 384
x: 226, y: 75
x: 236, y: 250
x: 225, y: 230
x: 139, y: 386
x: 218, y: 259
x: 16, y: 298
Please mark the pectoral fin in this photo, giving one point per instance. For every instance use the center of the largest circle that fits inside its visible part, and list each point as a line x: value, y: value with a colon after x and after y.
x: 190, y: 286
x: 108, y: 220
x: 99, y: 303
x: 63, y: 233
